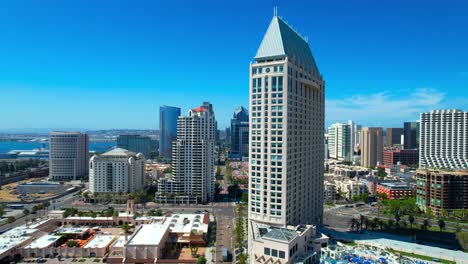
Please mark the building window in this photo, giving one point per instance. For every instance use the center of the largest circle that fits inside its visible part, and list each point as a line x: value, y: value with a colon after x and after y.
x: 282, y: 254
x: 266, y: 251
x: 274, y: 253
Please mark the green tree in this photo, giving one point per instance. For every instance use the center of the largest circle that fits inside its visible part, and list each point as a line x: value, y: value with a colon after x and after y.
x: 86, y: 196
x: 353, y: 223
x: 381, y: 224
x: 397, y: 218
x: 201, y: 260
x: 217, y: 187
x: 375, y: 222
x: 425, y: 224
x: 365, y: 197
x: 126, y: 229
x: 362, y: 221
x: 72, y: 243
x: 2, y: 210
x: 218, y: 171
x: 11, y: 219
x: 411, y: 220
x: 390, y: 223
x: 26, y: 212
x: 242, y: 258
x: 233, y: 190
x: 441, y: 224
x: 381, y: 172
x: 245, y: 197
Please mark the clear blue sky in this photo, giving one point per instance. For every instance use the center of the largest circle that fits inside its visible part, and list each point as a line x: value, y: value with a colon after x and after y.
x: 88, y: 65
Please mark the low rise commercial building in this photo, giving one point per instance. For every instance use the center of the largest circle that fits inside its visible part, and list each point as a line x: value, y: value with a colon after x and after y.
x: 284, y: 245
x: 440, y: 190
x: 146, y: 244
x: 396, y: 190
x: 403, y: 156
x: 99, y: 237
x: 348, y: 171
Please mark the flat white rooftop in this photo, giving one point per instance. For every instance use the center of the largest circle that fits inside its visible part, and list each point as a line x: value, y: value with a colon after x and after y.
x: 185, y: 223
x: 149, y: 234
x: 100, y: 241
x: 119, y: 242
x: 14, y: 237
x: 88, y: 218
x: 72, y: 230
x: 43, y: 242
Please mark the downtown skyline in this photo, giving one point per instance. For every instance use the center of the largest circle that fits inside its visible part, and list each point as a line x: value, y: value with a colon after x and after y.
x: 98, y: 67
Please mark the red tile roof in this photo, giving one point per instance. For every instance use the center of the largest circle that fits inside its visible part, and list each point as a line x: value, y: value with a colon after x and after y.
x: 199, y: 109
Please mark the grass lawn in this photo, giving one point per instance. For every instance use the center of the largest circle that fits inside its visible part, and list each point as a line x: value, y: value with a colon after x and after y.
x: 419, y: 256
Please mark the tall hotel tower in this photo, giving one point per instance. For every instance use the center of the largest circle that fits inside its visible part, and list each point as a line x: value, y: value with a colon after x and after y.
x: 444, y: 139
x: 287, y: 95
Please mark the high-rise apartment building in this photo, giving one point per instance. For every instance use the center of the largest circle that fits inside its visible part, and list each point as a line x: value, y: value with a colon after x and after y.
x: 68, y: 156
x: 286, y: 145
x: 239, y: 133
x: 411, y: 135
x: 444, y: 139
x: 115, y: 171
x: 371, y: 146
x: 339, y: 142
x: 355, y: 131
x: 136, y: 143
x: 193, y: 158
x: 393, y: 136
x: 168, y: 116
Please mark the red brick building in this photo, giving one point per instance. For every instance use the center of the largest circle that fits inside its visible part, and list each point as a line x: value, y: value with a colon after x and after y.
x: 396, y: 190
x: 442, y: 190
x: 404, y: 156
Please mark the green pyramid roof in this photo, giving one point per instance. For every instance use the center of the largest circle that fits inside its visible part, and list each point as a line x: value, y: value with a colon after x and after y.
x: 281, y: 41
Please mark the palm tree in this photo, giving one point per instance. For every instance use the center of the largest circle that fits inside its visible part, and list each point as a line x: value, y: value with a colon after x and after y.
x: 381, y: 224
x: 362, y: 221
x: 411, y: 221
x: 354, y: 223
x: 425, y: 224
x: 405, y: 224
x: 441, y: 224
x: 366, y: 222
x: 376, y: 222
x: 126, y: 228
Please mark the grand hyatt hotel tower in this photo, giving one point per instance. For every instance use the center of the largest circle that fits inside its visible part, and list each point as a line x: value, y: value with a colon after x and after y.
x: 287, y: 96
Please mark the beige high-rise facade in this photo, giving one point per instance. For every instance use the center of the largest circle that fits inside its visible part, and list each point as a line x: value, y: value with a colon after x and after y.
x: 115, y: 171
x: 287, y: 95
x: 193, y: 159
x: 371, y: 146
x: 68, y: 156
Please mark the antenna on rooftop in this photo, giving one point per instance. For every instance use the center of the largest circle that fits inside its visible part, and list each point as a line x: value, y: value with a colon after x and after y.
x: 275, y: 11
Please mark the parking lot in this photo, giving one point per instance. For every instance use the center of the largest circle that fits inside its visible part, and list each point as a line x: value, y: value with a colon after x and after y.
x: 339, y: 217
